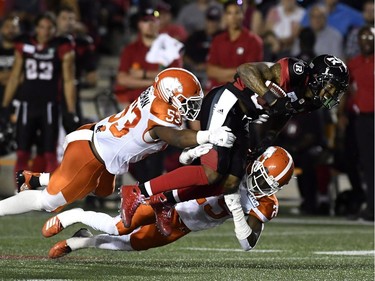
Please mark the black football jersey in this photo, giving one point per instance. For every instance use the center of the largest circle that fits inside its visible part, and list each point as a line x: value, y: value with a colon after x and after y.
x: 42, y: 67
x: 293, y: 80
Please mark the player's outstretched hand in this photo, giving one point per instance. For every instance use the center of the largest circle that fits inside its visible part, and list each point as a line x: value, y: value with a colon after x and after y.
x: 188, y: 155
x: 222, y: 136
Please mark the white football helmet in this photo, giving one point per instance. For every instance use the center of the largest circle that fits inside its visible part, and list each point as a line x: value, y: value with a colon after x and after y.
x: 269, y: 172
x: 180, y: 88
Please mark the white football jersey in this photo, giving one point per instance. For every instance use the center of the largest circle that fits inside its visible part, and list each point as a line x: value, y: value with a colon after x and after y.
x: 124, y: 137
x: 212, y: 211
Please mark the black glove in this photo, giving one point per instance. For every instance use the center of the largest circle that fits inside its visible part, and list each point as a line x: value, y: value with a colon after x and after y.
x: 70, y: 122
x: 282, y: 106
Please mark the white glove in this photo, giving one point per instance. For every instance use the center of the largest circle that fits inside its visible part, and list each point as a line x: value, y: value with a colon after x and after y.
x: 233, y: 201
x: 220, y: 136
x: 241, y: 227
x: 188, y: 155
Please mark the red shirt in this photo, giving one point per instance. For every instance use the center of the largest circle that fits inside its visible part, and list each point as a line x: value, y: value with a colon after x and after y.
x: 248, y: 47
x: 133, y: 56
x: 361, y: 72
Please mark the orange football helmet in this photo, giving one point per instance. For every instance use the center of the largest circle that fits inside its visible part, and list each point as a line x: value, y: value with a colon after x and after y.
x: 180, y: 88
x: 270, y: 172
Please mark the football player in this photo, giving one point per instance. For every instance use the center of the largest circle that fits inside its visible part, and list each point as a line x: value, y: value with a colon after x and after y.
x: 95, y: 153
x: 259, y: 90
x: 255, y: 198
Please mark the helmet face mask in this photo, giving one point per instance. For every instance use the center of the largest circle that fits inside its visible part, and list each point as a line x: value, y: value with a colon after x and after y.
x: 270, y: 172
x: 190, y: 107
x: 327, y: 71
x: 181, y: 89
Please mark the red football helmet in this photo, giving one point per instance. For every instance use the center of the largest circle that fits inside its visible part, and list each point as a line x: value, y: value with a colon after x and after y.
x: 180, y: 88
x: 270, y: 172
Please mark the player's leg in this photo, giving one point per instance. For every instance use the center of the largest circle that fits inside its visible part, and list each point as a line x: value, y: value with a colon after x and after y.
x: 144, y: 238
x: 98, y: 221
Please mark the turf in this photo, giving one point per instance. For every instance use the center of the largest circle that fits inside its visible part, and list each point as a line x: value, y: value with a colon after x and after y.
x: 291, y: 248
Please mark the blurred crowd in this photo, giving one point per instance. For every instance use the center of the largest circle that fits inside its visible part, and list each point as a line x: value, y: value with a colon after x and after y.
x: 211, y: 38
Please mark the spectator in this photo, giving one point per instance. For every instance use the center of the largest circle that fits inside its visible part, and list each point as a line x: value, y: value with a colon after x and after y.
x: 192, y: 16
x: 166, y: 22
x: 198, y: 45
x: 26, y: 11
x: 361, y: 69
x: 328, y: 39
x: 85, y: 73
x: 137, y: 72
x: 253, y: 18
x: 352, y: 46
x: 233, y: 47
x: 44, y: 61
x: 85, y: 57
x: 9, y: 30
x: 340, y: 16
x: 304, y: 138
x: 306, y: 40
x: 283, y: 20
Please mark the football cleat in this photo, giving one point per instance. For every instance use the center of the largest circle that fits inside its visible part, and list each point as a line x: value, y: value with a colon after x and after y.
x: 131, y: 198
x: 52, y: 227
x: 23, y: 178
x: 61, y: 248
x: 163, y: 213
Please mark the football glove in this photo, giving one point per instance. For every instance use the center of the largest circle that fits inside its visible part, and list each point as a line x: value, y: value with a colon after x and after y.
x: 282, y: 106
x: 187, y: 156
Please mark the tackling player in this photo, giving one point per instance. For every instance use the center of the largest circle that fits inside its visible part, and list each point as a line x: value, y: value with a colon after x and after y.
x: 95, y: 153
x: 256, y: 198
x: 280, y: 90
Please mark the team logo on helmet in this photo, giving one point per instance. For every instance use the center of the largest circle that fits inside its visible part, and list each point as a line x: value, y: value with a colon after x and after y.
x: 298, y: 68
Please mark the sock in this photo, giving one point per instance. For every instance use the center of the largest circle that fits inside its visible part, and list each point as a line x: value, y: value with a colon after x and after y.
x: 102, y: 241
x: 182, y: 177
x: 98, y: 221
x: 196, y: 192
x: 44, y: 179
x: 23, y: 202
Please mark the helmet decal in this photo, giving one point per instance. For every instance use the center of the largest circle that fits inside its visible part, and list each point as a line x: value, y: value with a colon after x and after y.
x: 181, y: 89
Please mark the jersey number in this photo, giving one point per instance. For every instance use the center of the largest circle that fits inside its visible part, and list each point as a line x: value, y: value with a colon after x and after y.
x: 42, y: 70
x: 208, y: 208
x: 132, y: 115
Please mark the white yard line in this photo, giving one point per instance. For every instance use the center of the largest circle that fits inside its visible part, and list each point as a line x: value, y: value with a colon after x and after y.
x: 227, y: 250
x: 347, y: 253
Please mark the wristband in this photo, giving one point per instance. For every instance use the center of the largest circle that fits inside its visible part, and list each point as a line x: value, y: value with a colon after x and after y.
x: 241, y: 227
x: 270, y: 97
x: 203, y: 137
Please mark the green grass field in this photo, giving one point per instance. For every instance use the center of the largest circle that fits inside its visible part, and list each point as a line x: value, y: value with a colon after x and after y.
x: 291, y: 248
